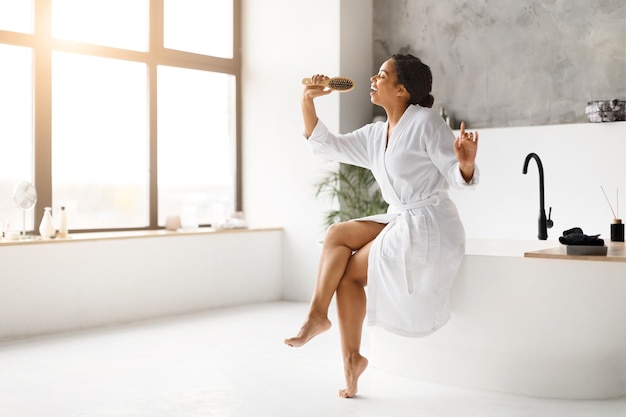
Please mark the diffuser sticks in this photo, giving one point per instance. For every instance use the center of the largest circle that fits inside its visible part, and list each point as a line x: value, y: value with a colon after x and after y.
x: 617, y: 227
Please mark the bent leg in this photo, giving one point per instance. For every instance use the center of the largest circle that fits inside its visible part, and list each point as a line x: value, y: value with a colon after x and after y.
x: 341, y: 240
x: 351, y: 309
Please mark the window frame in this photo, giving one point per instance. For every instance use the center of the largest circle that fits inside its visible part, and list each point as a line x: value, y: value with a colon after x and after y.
x: 42, y: 45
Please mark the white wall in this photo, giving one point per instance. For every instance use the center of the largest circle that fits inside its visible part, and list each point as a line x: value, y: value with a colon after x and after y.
x: 64, y: 285
x: 577, y: 159
x: 283, y: 42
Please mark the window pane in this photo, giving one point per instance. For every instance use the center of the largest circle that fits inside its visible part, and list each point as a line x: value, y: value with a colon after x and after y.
x: 16, y: 15
x: 195, y: 144
x: 100, y: 159
x: 116, y: 23
x: 199, y: 26
x: 16, y: 132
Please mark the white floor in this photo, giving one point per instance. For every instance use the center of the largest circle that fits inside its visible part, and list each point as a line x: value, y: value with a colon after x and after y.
x: 230, y: 362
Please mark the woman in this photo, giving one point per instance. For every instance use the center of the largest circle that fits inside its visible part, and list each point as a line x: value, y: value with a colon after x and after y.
x: 410, y: 256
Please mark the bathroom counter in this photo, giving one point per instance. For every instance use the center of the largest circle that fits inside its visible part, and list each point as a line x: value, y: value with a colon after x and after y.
x: 616, y: 253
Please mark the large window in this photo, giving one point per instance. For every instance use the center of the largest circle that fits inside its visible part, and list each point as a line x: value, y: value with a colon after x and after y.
x: 122, y: 111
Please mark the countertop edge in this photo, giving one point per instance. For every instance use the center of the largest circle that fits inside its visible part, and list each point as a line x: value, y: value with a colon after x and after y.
x: 616, y: 253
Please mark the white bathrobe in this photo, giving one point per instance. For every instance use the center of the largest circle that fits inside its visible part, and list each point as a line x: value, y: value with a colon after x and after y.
x: 413, y: 262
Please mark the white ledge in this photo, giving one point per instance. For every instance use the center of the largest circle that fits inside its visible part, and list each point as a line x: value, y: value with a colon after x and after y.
x: 131, y: 234
x: 103, y: 279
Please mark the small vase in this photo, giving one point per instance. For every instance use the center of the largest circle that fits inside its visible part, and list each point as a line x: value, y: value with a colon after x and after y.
x: 46, y: 227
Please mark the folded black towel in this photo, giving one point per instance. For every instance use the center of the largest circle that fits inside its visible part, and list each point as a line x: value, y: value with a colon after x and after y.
x: 576, y: 237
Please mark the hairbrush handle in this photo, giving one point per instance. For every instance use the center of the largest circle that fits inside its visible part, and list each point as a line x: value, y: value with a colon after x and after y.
x: 341, y: 84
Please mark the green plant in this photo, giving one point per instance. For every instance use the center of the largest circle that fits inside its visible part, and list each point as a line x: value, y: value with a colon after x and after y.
x: 356, y: 191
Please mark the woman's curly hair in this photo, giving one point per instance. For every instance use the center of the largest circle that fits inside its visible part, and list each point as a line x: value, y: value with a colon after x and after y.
x: 416, y: 78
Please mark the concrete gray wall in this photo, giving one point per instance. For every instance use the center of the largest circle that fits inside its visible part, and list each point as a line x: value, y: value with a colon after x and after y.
x: 499, y: 63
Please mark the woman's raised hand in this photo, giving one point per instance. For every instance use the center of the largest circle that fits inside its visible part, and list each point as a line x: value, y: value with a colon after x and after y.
x: 465, y: 148
x: 308, y: 106
x: 315, y: 90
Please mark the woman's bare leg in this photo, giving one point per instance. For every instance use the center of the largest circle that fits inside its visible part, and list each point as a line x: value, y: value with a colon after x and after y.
x: 340, y: 241
x: 351, y: 307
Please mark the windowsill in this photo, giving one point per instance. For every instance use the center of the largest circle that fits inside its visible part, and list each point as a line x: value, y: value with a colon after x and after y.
x: 81, y: 237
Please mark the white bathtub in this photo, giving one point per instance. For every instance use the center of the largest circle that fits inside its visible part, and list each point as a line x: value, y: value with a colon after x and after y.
x: 540, y: 327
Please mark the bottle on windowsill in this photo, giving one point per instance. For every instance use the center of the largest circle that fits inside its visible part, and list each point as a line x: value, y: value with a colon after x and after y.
x: 63, y: 231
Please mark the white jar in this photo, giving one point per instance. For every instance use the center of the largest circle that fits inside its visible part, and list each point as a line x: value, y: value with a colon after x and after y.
x: 46, y: 227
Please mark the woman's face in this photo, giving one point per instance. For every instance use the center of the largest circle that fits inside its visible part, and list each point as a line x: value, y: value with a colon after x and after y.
x: 384, y: 85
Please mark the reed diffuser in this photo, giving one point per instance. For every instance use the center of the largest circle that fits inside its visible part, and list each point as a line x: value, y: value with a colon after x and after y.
x: 617, y: 227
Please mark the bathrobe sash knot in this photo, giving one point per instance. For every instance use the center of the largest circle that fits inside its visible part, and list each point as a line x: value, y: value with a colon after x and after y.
x: 413, y: 229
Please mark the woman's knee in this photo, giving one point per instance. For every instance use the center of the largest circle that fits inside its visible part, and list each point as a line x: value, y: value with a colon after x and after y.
x: 337, y: 233
x: 353, y: 234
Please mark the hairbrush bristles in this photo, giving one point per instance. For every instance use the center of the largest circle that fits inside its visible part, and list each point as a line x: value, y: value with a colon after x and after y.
x: 341, y: 84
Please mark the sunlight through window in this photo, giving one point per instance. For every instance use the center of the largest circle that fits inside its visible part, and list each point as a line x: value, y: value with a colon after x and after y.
x: 195, y: 129
x: 16, y: 130
x: 120, y: 119
x: 199, y: 26
x: 116, y: 23
x: 100, y: 140
x: 16, y: 15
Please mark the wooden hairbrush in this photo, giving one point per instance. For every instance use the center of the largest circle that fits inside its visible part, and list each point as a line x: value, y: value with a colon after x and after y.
x: 340, y: 84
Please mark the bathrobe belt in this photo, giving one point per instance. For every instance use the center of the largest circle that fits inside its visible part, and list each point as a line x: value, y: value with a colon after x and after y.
x: 405, y: 221
x: 433, y: 200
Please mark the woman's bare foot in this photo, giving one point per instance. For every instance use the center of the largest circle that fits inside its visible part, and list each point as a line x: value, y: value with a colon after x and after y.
x: 353, y: 367
x: 308, y: 331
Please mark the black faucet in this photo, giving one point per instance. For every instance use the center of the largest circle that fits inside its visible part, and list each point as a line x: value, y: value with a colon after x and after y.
x: 544, y: 224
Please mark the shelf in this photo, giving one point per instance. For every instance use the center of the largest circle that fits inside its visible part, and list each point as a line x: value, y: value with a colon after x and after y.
x: 616, y: 253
